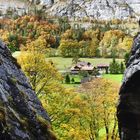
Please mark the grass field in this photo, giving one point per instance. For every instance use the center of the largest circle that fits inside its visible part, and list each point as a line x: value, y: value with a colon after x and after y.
x: 114, y: 77
x: 64, y: 63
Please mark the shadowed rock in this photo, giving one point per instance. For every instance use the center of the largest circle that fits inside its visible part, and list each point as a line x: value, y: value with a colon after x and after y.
x: 129, y: 106
x: 21, y: 114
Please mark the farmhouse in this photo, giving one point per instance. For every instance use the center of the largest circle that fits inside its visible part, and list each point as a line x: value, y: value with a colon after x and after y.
x: 82, y: 66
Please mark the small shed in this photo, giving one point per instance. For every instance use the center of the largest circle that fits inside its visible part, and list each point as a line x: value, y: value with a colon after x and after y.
x: 103, y: 67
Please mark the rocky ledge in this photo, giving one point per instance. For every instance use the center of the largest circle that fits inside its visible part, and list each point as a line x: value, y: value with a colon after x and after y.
x: 22, y: 116
x: 129, y: 105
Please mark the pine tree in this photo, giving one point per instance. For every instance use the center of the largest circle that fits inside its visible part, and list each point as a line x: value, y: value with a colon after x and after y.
x: 114, y: 67
x: 67, y: 80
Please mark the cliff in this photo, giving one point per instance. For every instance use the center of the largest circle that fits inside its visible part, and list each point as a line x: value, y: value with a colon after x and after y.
x: 21, y: 114
x: 98, y: 9
x: 129, y: 105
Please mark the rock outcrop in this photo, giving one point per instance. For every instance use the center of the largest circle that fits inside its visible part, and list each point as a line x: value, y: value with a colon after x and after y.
x: 22, y: 116
x: 129, y: 105
x: 97, y: 9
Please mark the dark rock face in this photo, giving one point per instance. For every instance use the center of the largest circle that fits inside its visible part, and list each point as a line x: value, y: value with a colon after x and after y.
x: 129, y: 106
x: 21, y: 114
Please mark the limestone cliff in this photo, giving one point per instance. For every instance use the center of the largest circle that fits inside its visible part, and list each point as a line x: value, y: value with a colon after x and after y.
x: 98, y: 9
x: 21, y: 114
x: 129, y: 106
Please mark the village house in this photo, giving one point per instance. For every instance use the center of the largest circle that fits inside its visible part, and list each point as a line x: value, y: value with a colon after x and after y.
x: 82, y: 66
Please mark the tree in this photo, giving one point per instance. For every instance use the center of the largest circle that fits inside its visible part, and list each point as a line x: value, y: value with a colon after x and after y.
x: 42, y: 74
x: 69, y: 48
x: 109, y: 43
x: 82, y: 114
x: 122, y: 68
x: 67, y: 80
x: 125, y: 46
x: 64, y: 24
x: 93, y: 48
x: 114, y: 67
x: 102, y: 99
x: 72, y: 80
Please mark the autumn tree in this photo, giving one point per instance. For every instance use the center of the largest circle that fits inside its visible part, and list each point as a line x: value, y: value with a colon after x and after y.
x: 85, y: 113
x: 102, y: 99
x: 69, y: 48
x: 125, y: 46
x: 108, y: 45
x: 41, y: 73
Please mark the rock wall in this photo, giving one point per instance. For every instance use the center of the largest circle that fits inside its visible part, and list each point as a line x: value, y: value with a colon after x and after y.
x: 21, y: 114
x: 98, y: 9
x: 18, y: 5
x: 128, y: 111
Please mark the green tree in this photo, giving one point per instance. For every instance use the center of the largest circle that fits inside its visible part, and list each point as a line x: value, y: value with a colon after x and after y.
x: 122, y: 68
x: 126, y: 57
x: 67, y: 79
x: 72, y: 80
x: 114, y: 67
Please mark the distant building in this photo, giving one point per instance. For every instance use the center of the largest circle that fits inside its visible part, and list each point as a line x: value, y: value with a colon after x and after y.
x: 104, y: 68
x: 82, y: 66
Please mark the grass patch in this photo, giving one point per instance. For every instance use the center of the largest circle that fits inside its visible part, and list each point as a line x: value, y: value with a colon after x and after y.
x: 114, y: 77
x: 77, y: 81
x: 16, y: 54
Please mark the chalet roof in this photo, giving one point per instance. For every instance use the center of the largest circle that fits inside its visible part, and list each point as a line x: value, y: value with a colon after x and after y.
x: 102, y: 65
x: 82, y: 66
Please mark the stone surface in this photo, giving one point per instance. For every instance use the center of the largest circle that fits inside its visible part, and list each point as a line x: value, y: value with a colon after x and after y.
x: 128, y: 110
x: 98, y: 9
x: 22, y: 116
